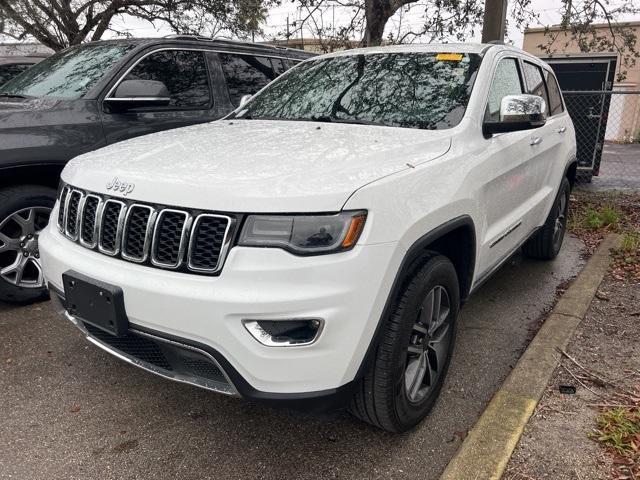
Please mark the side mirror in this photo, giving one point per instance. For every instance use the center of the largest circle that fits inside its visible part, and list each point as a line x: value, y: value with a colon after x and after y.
x: 518, y: 112
x: 139, y: 93
x: 243, y: 100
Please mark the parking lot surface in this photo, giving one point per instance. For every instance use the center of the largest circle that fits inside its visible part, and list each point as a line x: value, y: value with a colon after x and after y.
x: 72, y: 411
x: 619, y: 170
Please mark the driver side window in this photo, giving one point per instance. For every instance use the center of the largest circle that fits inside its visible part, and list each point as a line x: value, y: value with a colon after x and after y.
x: 183, y: 72
x: 506, y: 81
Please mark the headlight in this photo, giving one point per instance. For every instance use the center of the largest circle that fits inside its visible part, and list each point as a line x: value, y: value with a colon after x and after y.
x: 304, y: 234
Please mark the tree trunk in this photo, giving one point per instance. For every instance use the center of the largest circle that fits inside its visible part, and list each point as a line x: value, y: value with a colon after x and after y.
x: 377, y: 13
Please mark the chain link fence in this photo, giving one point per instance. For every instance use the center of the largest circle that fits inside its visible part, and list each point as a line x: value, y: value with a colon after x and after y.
x: 607, y: 125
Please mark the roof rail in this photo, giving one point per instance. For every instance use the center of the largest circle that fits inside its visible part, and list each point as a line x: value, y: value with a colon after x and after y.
x: 181, y: 36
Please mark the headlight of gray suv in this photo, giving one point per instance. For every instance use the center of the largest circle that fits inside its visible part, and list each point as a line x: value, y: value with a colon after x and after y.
x: 304, y: 234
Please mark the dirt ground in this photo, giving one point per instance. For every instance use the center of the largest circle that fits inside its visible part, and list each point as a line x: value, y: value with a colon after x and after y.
x: 557, y: 443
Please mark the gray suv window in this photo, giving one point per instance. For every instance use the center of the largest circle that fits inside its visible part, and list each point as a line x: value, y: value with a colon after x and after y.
x: 184, y: 72
x: 555, y: 99
x: 246, y: 74
x: 506, y: 81
x: 533, y: 74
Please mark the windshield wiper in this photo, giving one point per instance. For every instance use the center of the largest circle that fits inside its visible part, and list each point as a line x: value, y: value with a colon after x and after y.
x: 330, y: 119
x: 13, y: 95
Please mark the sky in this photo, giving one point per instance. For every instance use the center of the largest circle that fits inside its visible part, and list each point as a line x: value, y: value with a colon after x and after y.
x: 277, y: 20
x: 548, y: 10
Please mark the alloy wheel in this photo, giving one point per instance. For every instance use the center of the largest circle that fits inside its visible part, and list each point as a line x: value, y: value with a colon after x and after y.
x: 19, y: 254
x: 428, y: 346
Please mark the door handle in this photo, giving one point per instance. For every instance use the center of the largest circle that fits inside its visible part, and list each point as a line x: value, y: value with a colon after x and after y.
x: 562, y: 129
x: 535, y: 140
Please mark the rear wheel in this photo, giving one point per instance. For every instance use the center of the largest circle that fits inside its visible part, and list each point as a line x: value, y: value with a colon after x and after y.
x: 24, y: 213
x: 546, y: 243
x: 413, y: 356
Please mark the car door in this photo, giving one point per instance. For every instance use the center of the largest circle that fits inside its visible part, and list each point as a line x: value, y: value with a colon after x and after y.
x: 186, y: 74
x: 548, y: 160
x: 509, y: 174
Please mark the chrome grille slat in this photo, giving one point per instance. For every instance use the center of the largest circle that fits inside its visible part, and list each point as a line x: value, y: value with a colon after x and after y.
x: 138, y: 228
x: 153, y: 235
x: 88, y: 234
x: 71, y: 217
x: 62, y: 207
x: 110, y: 227
x: 170, y: 238
x: 209, y: 229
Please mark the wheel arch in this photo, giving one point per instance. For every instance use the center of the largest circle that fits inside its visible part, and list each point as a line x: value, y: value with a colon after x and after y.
x: 571, y: 171
x: 455, y: 239
x: 45, y: 174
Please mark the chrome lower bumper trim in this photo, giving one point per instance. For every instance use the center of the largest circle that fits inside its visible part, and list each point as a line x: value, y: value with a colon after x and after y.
x: 225, y: 389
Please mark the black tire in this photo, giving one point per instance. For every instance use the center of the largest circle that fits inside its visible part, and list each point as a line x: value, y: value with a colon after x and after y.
x: 547, y: 241
x: 17, y: 199
x: 381, y: 398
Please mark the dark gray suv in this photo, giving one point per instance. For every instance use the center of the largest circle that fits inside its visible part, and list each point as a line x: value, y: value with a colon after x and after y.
x: 95, y: 94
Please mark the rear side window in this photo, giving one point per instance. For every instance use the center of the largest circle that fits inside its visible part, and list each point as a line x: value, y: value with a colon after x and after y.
x: 7, y: 72
x: 535, y: 83
x: 183, y: 72
x: 555, y: 98
x: 506, y: 81
x: 246, y: 74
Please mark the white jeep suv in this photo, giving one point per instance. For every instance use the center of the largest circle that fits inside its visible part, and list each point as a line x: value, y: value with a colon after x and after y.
x: 313, y: 248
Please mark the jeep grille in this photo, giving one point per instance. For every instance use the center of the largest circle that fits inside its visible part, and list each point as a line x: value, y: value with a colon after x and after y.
x: 176, y: 239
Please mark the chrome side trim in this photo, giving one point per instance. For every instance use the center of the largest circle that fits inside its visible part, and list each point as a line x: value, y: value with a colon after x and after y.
x: 226, y: 243
x: 118, y: 239
x: 183, y: 238
x: 147, y: 234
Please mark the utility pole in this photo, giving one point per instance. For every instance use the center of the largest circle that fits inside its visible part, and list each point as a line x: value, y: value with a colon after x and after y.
x: 495, y: 20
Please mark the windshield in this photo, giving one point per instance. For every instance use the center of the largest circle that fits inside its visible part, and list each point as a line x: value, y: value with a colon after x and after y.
x: 413, y: 90
x: 68, y: 74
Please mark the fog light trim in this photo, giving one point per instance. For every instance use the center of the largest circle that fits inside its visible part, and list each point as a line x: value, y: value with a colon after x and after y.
x: 316, y: 325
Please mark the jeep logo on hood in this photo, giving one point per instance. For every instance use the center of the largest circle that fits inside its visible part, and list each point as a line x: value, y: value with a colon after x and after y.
x: 120, y: 186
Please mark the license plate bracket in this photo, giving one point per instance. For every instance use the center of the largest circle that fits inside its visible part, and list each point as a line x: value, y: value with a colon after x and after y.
x: 97, y: 303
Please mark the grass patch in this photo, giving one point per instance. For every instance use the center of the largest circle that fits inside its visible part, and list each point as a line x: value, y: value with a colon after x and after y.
x: 594, y: 214
x: 619, y: 429
x: 596, y: 218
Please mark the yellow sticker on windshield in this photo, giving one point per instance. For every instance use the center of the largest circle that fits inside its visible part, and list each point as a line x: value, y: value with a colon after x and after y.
x: 449, y: 57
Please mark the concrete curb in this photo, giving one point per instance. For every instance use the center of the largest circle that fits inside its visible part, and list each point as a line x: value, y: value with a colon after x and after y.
x: 485, y: 452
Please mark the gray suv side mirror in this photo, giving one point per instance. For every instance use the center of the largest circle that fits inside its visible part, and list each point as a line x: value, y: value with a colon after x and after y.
x: 139, y: 93
x: 518, y: 112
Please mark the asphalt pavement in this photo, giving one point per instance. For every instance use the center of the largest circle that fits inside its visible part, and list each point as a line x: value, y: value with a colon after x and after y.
x: 72, y: 411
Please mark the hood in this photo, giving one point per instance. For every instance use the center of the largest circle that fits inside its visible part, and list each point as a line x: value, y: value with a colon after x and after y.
x: 24, y: 112
x: 255, y: 165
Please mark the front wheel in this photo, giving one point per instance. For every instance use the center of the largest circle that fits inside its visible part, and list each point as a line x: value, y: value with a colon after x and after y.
x: 24, y: 213
x: 546, y: 243
x: 413, y: 355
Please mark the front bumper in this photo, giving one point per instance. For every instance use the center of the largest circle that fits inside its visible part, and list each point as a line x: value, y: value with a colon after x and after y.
x: 348, y: 290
